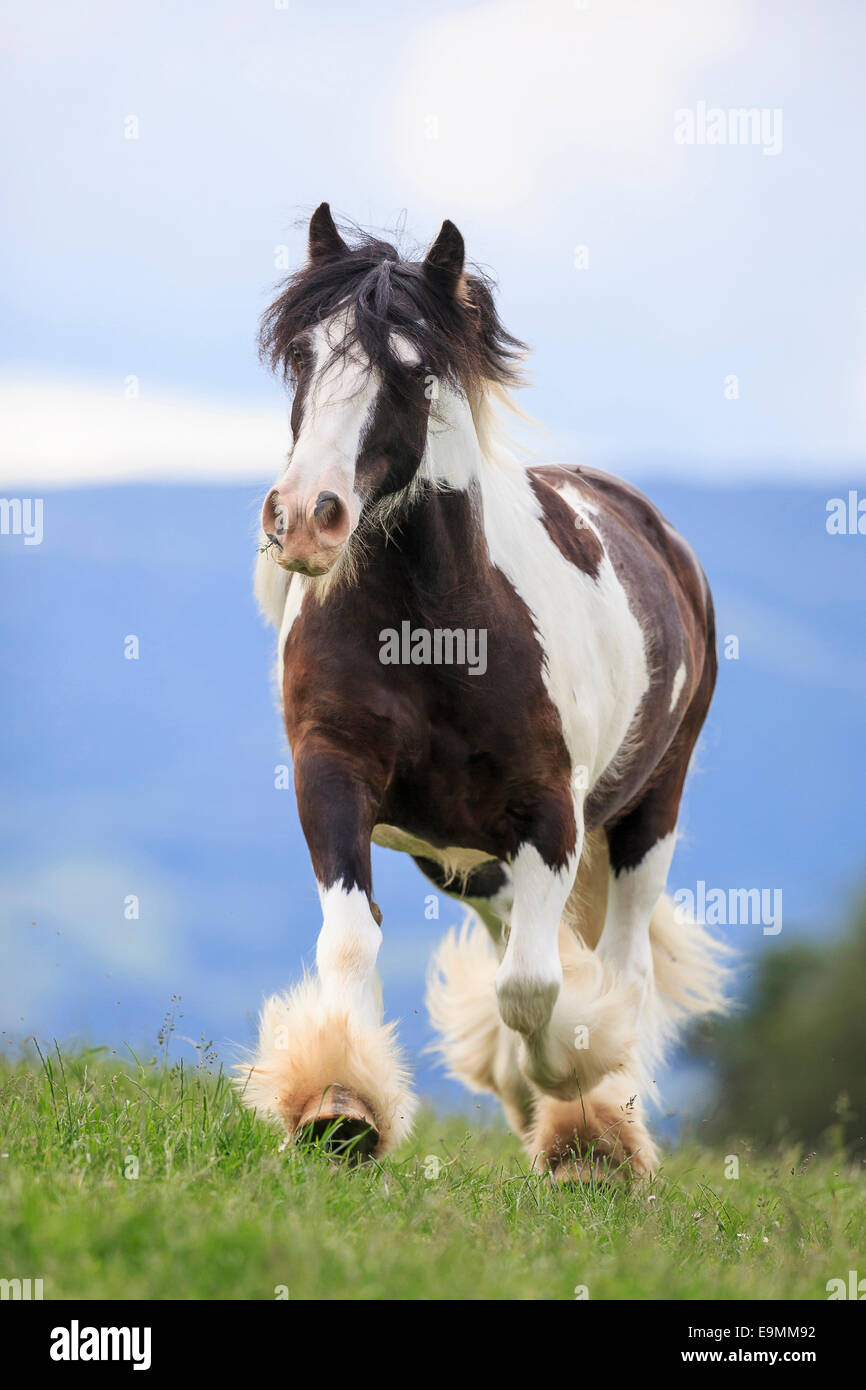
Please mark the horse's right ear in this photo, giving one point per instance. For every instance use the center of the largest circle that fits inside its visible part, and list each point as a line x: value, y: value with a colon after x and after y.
x: 324, y: 239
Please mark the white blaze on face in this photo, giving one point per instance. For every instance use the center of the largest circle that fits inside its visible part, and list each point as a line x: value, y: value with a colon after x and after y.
x: 313, y: 509
x: 338, y: 405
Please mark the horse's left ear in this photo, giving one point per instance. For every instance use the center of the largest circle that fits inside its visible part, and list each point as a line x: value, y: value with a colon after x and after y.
x: 444, y: 261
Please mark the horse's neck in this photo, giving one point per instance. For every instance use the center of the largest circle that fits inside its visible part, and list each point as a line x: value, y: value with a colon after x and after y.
x: 467, y: 452
x: 471, y: 488
x: 453, y: 457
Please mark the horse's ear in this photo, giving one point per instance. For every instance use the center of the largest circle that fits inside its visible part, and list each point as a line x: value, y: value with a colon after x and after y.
x: 444, y: 261
x: 324, y: 239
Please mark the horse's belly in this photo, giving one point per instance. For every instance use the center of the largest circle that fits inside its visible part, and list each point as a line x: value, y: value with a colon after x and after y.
x: 453, y: 859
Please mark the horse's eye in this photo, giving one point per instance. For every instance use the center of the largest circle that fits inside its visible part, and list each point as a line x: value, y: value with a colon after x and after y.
x: 298, y: 356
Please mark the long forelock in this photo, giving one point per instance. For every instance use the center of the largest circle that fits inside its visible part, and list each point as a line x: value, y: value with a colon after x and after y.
x: 393, y: 310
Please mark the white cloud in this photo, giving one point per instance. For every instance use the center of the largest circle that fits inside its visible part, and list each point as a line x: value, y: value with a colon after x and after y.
x: 495, y: 96
x: 58, y: 432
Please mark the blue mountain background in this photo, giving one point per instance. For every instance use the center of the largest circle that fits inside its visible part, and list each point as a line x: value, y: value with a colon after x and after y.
x: 156, y: 777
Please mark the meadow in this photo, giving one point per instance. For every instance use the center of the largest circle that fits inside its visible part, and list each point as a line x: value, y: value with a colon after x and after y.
x: 131, y: 1179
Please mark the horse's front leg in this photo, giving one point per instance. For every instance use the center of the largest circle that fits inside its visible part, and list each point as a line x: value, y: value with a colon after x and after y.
x: 575, y: 1029
x: 529, y: 979
x: 327, y: 1064
x: 337, y: 803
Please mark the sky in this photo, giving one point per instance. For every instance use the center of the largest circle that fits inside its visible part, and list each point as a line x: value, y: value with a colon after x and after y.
x: 694, y: 309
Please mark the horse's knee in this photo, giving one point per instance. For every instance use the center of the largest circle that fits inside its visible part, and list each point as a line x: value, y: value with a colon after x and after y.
x: 526, y: 1001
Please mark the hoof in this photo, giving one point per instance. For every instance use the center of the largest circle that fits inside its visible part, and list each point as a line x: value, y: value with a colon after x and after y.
x: 589, y: 1171
x: 601, y: 1139
x: 341, y: 1123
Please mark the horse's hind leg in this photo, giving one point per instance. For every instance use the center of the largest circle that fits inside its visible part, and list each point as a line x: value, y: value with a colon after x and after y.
x: 633, y: 891
x: 599, y: 1136
x: 641, y: 846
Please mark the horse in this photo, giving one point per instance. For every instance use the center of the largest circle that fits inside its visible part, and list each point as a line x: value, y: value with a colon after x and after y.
x: 540, y: 787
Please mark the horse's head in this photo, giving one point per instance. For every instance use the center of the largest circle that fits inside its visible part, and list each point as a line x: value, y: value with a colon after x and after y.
x: 368, y: 340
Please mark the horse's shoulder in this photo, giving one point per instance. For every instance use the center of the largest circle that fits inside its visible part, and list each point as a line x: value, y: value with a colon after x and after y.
x: 578, y: 542
x: 620, y: 506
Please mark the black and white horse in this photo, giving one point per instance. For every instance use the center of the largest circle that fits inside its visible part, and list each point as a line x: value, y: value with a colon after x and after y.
x: 540, y: 784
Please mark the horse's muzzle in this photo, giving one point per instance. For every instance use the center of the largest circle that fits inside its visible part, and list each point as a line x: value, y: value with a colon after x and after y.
x: 309, y: 533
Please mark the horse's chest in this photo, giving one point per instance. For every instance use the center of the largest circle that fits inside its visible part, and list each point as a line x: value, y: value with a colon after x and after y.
x: 461, y: 778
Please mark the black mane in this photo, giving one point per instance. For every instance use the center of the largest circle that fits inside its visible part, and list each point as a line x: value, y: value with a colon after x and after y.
x: 458, y: 336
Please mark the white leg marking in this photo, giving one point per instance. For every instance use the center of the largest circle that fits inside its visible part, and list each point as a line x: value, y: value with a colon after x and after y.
x: 530, y: 976
x: 632, y: 897
x: 529, y: 987
x: 346, y: 952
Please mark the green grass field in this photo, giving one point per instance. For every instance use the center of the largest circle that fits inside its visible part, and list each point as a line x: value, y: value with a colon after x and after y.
x: 218, y: 1211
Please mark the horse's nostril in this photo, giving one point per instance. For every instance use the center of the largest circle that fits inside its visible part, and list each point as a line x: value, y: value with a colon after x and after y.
x: 326, y: 510
x: 274, y: 516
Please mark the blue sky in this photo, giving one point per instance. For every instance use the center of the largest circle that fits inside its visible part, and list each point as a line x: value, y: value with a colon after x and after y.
x: 538, y: 127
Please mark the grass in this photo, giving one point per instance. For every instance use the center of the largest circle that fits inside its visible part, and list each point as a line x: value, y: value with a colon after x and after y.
x: 218, y: 1211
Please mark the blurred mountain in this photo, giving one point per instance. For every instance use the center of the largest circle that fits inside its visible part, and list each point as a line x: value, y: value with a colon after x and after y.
x: 790, y: 1068
x: 153, y: 779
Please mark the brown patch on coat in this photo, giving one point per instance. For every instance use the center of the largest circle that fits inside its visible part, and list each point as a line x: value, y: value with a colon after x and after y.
x: 577, y: 542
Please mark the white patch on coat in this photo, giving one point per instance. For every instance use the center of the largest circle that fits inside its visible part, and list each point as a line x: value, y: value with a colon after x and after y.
x: 270, y: 583
x: 291, y: 608
x: 631, y: 899
x: 403, y: 350
x: 595, y: 664
x: 581, y: 506
x: 677, y: 690
x: 529, y: 980
x: 495, y: 912
x: 340, y: 401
